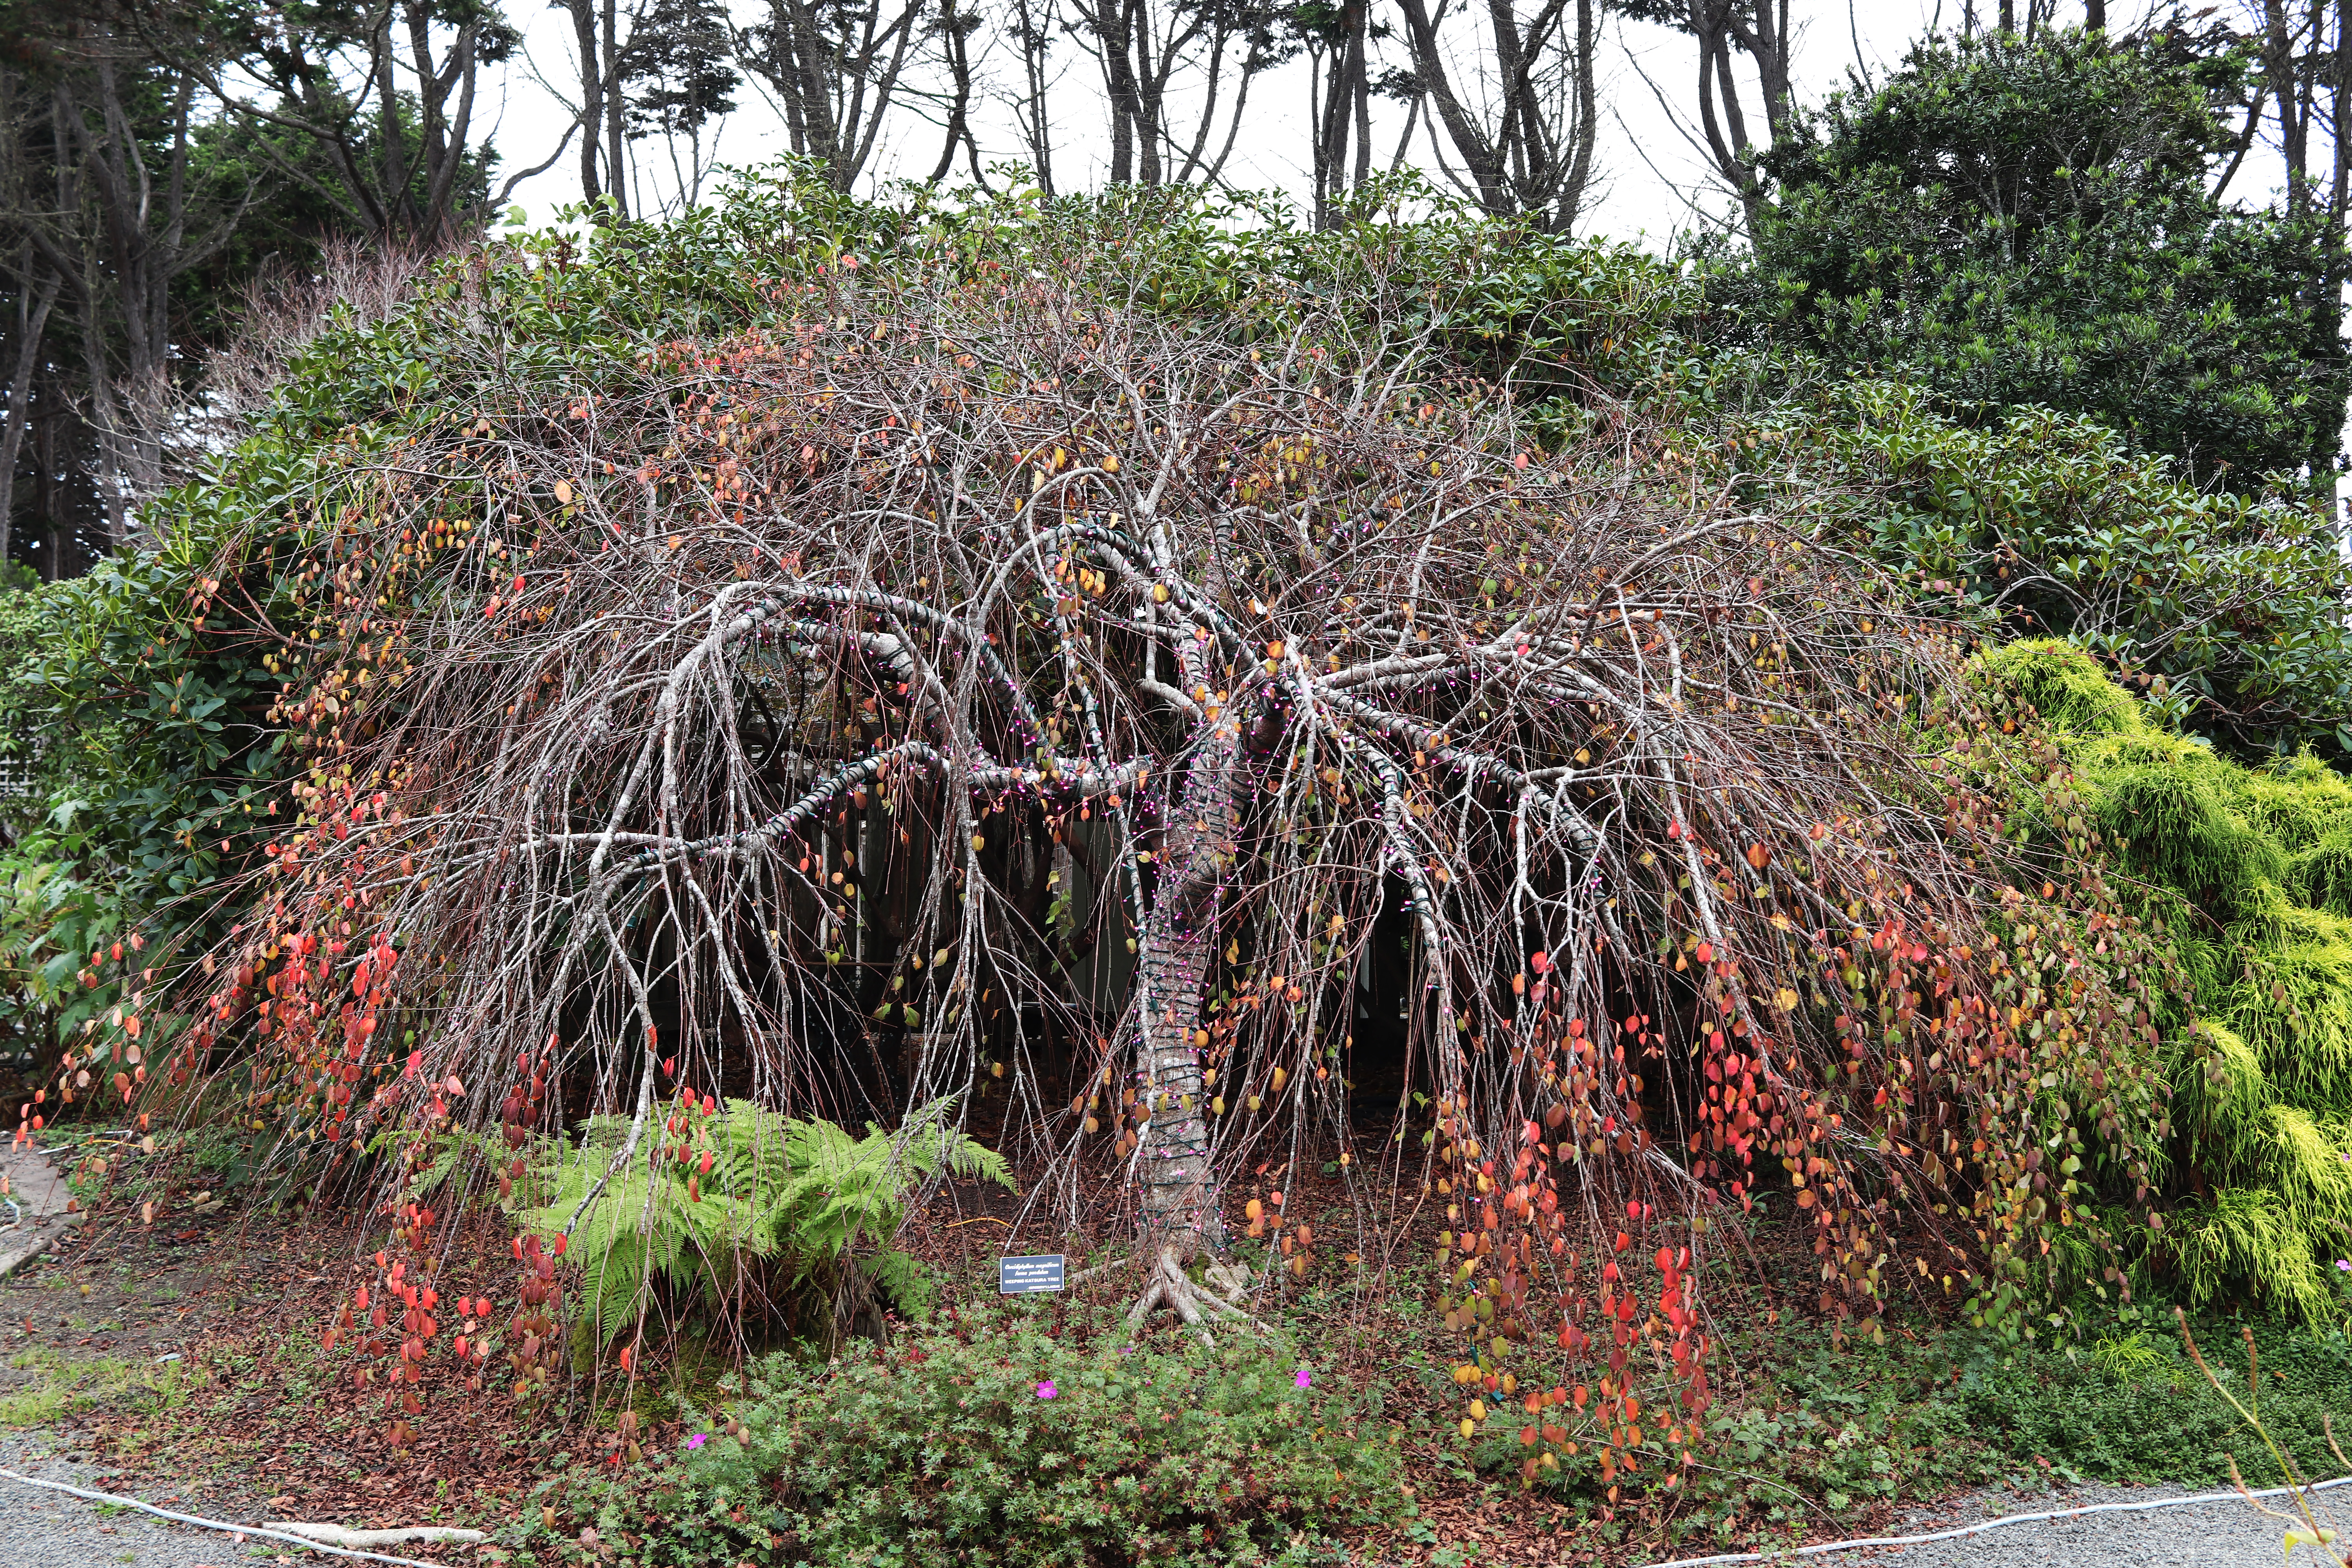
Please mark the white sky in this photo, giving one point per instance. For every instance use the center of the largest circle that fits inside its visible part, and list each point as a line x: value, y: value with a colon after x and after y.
x: 1642, y: 160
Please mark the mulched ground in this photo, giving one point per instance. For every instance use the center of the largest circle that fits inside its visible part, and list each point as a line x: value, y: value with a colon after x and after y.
x: 258, y: 1423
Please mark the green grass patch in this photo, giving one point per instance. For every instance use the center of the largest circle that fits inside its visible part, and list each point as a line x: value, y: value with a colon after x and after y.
x: 64, y: 1385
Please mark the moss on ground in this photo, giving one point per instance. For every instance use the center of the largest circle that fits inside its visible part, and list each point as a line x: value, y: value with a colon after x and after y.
x: 63, y: 1385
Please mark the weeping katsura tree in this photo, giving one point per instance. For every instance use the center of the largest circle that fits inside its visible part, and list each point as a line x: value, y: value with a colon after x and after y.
x: 959, y: 683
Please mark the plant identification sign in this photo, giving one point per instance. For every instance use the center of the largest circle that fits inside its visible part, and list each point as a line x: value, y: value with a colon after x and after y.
x: 1028, y: 1276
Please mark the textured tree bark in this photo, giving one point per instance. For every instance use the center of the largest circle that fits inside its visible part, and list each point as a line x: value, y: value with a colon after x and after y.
x: 1179, y: 932
x: 592, y: 97
x: 31, y: 323
x: 616, y: 142
x: 1180, y: 1204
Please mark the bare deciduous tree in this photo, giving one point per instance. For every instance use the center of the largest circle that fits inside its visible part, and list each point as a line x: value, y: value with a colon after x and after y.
x: 1034, y: 25
x: 1338, y: 40
x: 836, y: 69
x: 1519, y: 105
x: 968, y: 686
x: 1156, y: 56
x: 1730, y: 33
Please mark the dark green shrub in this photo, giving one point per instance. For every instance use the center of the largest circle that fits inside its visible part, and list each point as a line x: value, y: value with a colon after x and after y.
x: 2133, y: 1407
x: 2010, y: 224
x: 946, y: 1448
x: 2228, y: 603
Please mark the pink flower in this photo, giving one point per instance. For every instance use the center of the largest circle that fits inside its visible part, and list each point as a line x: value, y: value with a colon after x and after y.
x: 2344, y: 1264
x: 1304, y: 1377
x: 1047, y: 1390
x: 698, y: 1440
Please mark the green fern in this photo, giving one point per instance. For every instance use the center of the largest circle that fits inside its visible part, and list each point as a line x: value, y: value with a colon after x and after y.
x: 446, y: 1153
x: 791, y: 1211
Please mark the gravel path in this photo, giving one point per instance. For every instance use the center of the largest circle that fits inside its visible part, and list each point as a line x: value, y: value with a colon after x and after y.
x: 2228, y: 1534
x: 50, y: 1530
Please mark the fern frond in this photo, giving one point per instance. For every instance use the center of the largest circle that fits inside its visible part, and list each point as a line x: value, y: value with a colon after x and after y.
x: 805, y: 1197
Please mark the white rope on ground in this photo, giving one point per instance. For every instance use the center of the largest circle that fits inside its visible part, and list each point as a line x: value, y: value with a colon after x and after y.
x: 224, y: 1527
x: 1989, y: 1524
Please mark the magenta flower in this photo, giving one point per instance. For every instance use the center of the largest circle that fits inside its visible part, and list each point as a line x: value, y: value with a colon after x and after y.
x: 1305, y: 1378
x: 698, y: 1440
x: 2344, y: 1264
x: 1047, y: 1390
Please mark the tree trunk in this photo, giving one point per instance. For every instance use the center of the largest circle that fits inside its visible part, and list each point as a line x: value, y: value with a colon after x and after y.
x: 1180, y: 933
x: 1118, y: 80
x: 1150, y: 96
x: 1034, y: 31
x: 958, y: 64
x: 615, y: 115
x: 1570, y: 205
x: 592, y: 97
x: 31, y: 324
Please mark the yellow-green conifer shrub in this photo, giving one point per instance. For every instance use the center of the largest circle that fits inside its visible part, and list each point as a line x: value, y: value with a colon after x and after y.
x: 2249, y: 872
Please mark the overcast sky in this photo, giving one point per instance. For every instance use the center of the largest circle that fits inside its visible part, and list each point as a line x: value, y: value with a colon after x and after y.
x: 1645, y: 165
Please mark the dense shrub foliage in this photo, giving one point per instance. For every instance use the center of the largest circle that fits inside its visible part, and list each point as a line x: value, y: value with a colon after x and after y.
x: 2243, y: 869
x: 996, y: 1438
x: 2222, y: 607
x: 2010, y: 224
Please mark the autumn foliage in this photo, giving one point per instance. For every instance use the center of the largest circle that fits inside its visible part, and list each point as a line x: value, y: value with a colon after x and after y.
x: 952, y: 682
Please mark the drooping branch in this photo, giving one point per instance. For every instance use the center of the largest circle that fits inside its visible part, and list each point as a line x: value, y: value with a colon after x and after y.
x: 959, y: 686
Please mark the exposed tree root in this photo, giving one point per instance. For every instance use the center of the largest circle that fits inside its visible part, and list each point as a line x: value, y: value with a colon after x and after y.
x: 1165, y: 1284
x: 1072, y: 1281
